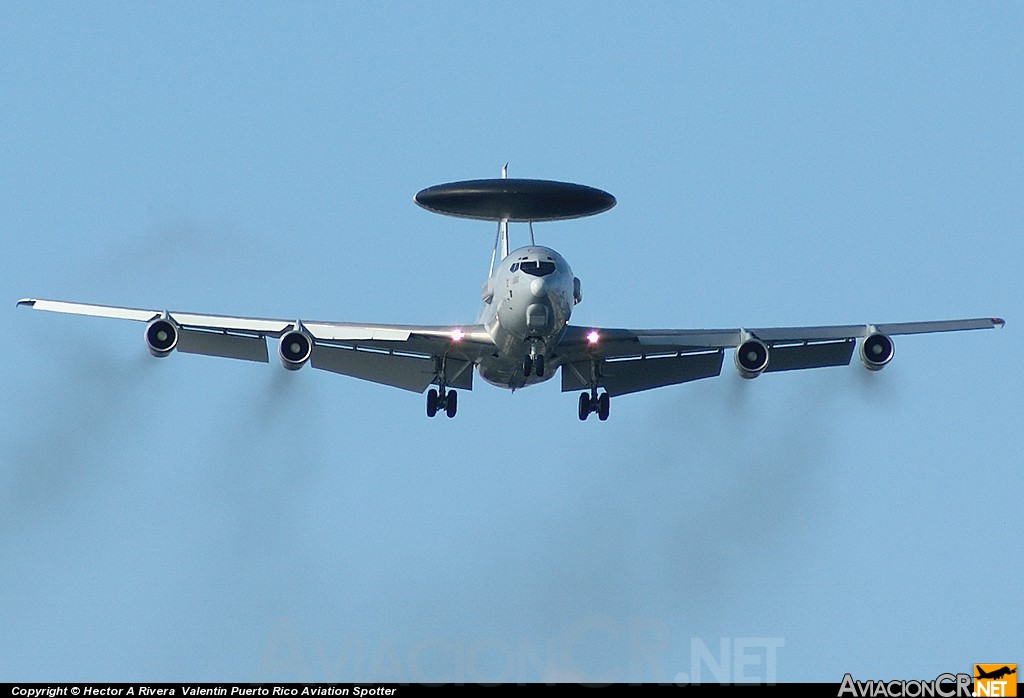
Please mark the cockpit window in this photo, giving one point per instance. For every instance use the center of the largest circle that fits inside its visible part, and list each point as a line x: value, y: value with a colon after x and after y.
x: 537, y: 268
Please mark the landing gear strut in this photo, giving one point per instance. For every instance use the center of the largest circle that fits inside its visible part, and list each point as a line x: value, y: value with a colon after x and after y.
x: 534, y: 363
x: 442, y: 398
x: 592, y: 402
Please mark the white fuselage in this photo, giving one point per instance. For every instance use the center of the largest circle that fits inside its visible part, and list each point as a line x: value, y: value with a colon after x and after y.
x: 527, y: 303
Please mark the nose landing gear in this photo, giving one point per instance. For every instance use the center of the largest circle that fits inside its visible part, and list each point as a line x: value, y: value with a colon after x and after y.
x: 534, y: 362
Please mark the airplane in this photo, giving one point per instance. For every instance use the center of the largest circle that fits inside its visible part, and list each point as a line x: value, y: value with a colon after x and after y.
x: 523, y: 334
x: 996, y: 674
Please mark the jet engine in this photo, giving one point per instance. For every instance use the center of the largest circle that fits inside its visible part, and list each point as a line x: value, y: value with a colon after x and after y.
x: 161, y: 337
x: 751, y: 358
x: 294, y: 349
x: 876, y: 351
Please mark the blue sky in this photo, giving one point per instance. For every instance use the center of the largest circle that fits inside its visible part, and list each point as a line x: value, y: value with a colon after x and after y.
x: 774, y: 164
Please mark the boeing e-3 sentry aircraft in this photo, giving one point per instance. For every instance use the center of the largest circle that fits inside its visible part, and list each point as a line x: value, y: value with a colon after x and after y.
x: 522, y: 335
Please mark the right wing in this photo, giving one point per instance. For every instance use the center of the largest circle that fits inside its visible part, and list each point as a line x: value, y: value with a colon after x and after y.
x: 626, y: 361
x: 410, y: 357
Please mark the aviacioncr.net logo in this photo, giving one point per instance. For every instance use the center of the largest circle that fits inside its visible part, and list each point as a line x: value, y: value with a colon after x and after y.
x: 995, y: 680
x: 944, y: 686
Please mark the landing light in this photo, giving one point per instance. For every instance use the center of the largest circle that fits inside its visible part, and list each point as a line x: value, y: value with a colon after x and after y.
x: 457, y: 335
x: 593, y: 337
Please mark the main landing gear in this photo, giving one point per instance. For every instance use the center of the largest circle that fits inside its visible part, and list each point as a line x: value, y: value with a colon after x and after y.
x: 592, y: 402
x: 446, y: 400
x: 442, y: 398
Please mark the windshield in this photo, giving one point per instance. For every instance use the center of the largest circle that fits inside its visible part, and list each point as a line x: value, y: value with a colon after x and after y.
x: 537, y: 268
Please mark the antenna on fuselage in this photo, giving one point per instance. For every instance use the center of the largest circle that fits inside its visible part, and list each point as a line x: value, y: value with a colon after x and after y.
x: 513, y: 200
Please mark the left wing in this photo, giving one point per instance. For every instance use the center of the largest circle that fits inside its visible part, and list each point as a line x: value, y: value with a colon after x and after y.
x: 410, y: 357
x: 626, y: 361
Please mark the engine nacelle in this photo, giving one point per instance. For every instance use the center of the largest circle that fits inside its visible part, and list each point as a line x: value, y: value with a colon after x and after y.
x: 161, y: 337
x: 751, y: 358
x: 876, y: 351
x: 294, y: 349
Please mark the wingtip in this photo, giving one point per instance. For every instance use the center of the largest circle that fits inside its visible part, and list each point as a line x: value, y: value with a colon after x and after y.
x: 27, y: 302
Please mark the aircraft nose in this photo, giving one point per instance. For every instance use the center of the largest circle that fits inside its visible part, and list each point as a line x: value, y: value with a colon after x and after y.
x: 539, y: 287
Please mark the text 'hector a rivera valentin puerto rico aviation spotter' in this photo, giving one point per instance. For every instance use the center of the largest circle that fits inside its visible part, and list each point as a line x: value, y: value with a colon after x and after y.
x: 522, y: 335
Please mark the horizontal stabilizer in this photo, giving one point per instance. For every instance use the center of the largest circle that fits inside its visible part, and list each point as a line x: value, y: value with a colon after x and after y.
x: 633, y: 375
x: 405, y: 372
x: 411, y: 373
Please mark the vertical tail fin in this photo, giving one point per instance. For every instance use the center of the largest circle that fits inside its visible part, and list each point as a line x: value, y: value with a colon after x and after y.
x: 501, y: 238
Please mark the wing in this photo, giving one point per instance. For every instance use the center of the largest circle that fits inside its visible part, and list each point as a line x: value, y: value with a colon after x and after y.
x: 626, y: 361
x: 404, y: 356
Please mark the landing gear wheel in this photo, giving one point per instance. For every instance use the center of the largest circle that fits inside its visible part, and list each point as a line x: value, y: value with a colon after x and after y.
x: 538, y: 365
x: 431, y: 402
x: 451, y: 403
x: 603, y: 405
x: 584, y: 406
x: 527, y: 366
